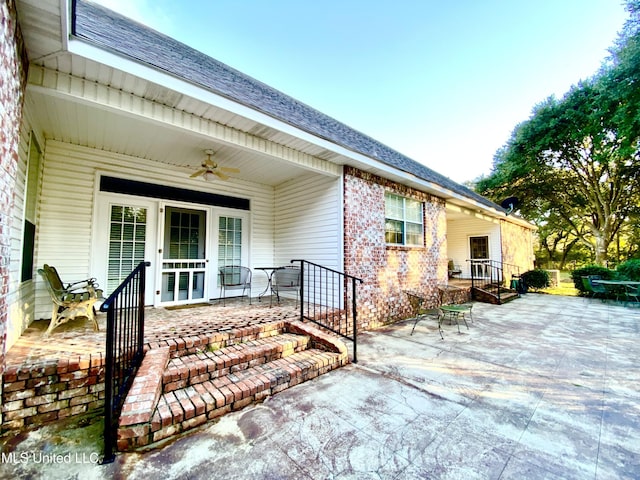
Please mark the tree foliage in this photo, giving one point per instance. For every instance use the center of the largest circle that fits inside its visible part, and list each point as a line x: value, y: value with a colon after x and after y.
x: 574, y: 163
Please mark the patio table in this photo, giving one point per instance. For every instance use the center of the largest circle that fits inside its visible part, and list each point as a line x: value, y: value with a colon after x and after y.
x: 457, y: 311
x: 627, y: 288
x: 269, y: 271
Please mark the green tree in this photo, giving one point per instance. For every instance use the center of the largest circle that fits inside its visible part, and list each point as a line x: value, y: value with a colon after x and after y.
x: 576, y: 160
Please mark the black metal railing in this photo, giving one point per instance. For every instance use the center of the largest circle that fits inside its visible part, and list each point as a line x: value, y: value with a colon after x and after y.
x: 488, y: 275
x: 125, y: 334
x: 328, y: 298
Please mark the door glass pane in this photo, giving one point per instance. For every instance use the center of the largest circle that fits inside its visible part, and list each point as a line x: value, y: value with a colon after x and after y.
x: 127, y: 235
x: 229, y: 241
x: 479, y: 247
x: 183, y: 286
x: 185, y: 238
x: 168, y: 286
x: 197, y: 287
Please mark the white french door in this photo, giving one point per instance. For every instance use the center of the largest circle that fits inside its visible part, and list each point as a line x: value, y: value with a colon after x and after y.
x: 128, y: 239
x: 232, y: 241
x: 184, y: 262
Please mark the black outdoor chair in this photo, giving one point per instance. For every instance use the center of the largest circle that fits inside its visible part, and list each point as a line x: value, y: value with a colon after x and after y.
x: 594, y: 290
x: 421, y: 312
x: 235, y: 277
x: 453, y: 270
x: 286, y: 280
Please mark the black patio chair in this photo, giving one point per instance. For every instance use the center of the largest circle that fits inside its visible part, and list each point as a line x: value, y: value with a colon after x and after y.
x: 453, y: 270
x: 421, y: 312
x: 596, y: 289
x: 286, y: 280
x: 235, y: 277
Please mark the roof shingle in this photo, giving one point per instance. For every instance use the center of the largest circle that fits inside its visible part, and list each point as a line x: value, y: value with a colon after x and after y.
x: 126, y: 37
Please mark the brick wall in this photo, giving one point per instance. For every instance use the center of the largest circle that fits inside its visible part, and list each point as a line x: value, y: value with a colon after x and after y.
x: 388, y: 270
x: 39, y: 393
x: 517, y: 248
x: 12, y: 86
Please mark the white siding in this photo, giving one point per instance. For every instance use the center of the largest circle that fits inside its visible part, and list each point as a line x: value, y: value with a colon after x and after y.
x: 20, y: 296
x: 458, y: 233
x: 309, y: 221
x: 69, y: 187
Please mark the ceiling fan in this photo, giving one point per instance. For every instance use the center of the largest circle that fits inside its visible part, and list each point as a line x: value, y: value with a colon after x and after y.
x: 211, y: 168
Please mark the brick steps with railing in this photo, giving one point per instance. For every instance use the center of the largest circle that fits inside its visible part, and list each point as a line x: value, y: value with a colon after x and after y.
x: 173, y: 395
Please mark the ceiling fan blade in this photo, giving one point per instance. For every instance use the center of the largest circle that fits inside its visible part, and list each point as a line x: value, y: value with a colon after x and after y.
x: 221, y: 175
x: 198, y: 173
x: 230, y: 169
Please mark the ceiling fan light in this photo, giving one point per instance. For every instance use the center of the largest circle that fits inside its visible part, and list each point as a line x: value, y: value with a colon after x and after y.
x: 208, y: 176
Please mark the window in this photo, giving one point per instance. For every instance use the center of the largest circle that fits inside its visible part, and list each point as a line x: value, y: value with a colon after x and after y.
x: 127, y: 236
x: 403, y: 221
x: 32, y: 188
x: 229, y: 241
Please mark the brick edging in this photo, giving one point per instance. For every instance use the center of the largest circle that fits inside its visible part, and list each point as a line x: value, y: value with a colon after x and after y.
x: 143, y: 396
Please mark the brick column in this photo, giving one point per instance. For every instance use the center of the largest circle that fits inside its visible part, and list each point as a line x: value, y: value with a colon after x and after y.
x: 13, y: 65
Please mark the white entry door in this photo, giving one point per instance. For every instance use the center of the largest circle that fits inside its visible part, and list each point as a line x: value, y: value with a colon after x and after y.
x: 184, y: 268
x: 479, y: 253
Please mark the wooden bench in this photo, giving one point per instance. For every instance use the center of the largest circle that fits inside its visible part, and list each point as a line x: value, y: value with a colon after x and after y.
x: 71, y: 300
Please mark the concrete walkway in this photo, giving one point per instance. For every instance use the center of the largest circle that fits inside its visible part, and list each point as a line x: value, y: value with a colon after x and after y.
x: 544, y: 387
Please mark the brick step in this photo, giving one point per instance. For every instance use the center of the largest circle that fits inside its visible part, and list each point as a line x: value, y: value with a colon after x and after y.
x: 197, y: 340
x: 207, y: 365
x: 186, y: 408
x: 246, y: 372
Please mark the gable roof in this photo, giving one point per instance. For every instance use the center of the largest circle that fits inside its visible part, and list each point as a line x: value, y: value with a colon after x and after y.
x: 121, y: 35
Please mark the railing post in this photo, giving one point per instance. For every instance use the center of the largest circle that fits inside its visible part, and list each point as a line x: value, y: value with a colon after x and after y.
x: 354, y: 303
x: 109, y: 454
x: 124, y: 352
x: 302, y: 291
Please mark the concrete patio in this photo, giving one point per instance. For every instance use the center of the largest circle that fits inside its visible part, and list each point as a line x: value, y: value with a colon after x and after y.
x: 543, y: 387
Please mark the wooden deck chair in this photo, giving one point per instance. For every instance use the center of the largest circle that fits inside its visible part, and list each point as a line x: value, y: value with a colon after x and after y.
x: 71, y: 300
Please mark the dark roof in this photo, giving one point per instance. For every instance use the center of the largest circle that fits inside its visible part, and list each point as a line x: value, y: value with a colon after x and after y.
x: 124, y: 36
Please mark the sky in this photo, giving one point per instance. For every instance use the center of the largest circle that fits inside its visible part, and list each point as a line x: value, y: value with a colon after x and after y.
x: 443, y: 82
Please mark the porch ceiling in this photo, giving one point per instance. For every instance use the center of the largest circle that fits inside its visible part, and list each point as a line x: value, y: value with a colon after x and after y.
x: 87, y: 125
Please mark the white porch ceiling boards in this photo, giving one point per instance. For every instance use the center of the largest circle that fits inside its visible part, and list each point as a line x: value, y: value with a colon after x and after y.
x: 92, y: 114
x: 42, y: 27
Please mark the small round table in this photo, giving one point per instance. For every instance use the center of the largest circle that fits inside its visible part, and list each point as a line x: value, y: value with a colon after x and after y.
x: 268, y: 271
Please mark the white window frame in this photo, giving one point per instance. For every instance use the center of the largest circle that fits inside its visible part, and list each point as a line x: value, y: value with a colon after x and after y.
x: 402, y: 219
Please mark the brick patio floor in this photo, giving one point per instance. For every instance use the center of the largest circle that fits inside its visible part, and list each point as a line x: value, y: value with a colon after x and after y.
x: 77, y: 343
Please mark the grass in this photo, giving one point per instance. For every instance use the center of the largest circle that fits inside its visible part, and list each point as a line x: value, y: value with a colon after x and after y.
x: 565, y: 287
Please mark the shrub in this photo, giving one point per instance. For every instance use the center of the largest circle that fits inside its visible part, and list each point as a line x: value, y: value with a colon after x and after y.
x: 536, y: 279
x: 602, y: 272
x: 629, y: 270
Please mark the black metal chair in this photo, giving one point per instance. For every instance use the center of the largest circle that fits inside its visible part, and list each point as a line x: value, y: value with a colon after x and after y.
x: 417, y: 306
x: 286, y: 280
x: 592, y: 289
x: 235, y: 277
